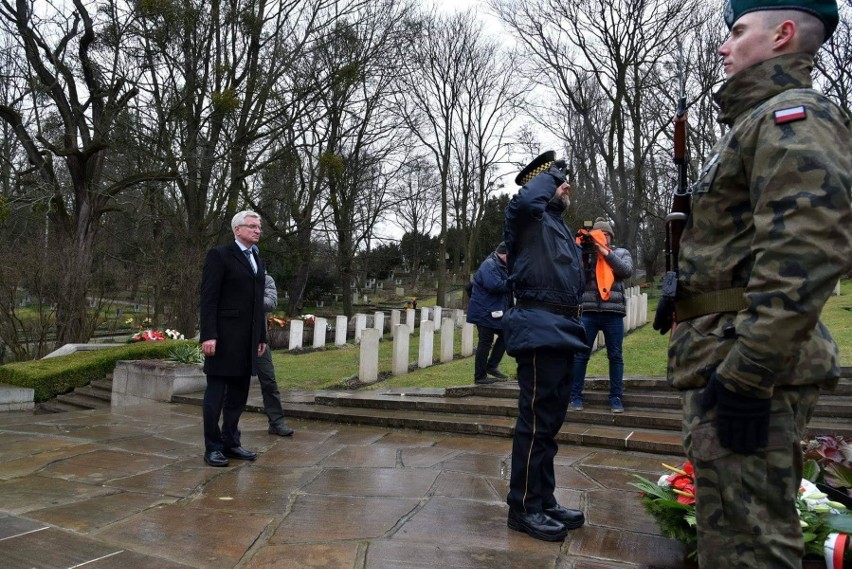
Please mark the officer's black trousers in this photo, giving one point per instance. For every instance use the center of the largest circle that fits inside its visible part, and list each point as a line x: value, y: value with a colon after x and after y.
x: 544, y: 377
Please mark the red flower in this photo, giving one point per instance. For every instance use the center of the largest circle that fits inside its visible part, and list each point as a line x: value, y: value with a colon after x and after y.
x: 686, y: 494
x: 680, y: 482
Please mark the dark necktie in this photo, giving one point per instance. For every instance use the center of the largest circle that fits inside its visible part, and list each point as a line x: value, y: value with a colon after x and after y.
x: 250, y: 260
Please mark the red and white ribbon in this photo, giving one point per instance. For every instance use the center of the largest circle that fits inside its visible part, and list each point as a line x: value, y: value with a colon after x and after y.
x: 835, y: 547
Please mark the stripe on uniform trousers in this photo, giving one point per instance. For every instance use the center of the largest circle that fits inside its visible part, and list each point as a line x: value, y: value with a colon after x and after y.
x: 534, y: 425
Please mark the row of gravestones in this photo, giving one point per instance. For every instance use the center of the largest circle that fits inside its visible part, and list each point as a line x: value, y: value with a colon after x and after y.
x: 446, y: 322
x: 368, y: 365
x: 363, y: 322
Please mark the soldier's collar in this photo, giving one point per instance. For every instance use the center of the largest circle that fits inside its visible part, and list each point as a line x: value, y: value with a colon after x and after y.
x: 762, y: 81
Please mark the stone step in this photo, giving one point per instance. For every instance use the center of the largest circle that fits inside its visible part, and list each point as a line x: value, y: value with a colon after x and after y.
x: 609, y: 436
x: 82, y: 402
x: 491, y: 406
x: 633, y: 417
x: 652, y: 395
x: 651, y: 422
x: 54, y: 406
x: 592, y: 384
x: 468, y: 405
x: 105, y: 384
x: 94, y: 393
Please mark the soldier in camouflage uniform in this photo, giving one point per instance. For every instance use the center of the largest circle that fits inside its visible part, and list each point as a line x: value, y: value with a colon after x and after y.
x: 767, y: 239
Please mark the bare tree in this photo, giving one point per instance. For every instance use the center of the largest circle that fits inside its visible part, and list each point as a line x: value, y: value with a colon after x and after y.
x: 77, y: 91
x: 414, y: 199
x: 361, y: 136
x: 222, y: 81
x: 489, y: 105
x: 601, y: 60
x: 834, y: 60
x: 437, y: 71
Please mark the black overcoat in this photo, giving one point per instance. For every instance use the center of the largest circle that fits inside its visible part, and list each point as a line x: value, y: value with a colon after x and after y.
x: 232, y: 310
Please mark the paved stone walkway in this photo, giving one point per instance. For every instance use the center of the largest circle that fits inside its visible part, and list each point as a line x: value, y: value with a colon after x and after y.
x: 129, y: 489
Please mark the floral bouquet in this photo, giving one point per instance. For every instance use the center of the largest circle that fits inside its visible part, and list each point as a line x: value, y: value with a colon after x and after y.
x: 155, y: 335
x: 671, y: 501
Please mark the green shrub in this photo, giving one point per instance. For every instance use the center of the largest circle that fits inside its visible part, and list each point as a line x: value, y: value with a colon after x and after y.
x: 186, y: 353
x: 53, y: 376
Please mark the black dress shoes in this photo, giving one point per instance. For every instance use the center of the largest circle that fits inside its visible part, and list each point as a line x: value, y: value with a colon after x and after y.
x: 538, y: 525
x: 496, y: 373
x: 215, y: 458
x: 571, y: 519
x: 240, y: 453
x: 281, y: 429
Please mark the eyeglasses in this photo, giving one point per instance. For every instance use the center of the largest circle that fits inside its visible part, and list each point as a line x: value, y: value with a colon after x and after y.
x: 257, y: 228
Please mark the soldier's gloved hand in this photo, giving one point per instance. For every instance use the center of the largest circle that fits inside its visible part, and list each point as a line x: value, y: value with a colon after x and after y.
x: 742, y: 422
x: 559, y: 170
x: 664, y: 316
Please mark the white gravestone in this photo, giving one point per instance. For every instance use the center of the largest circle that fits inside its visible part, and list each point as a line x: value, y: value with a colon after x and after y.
x: 379, y: 322
x: 320, y: 326
x: 401, y: 340
x: 447, y: 330
x: 360, y: 326
x: 297, y: 329
x: 427, y: 338
x: 340, y: 327
x: 368, y: 366
x: 467, y: 339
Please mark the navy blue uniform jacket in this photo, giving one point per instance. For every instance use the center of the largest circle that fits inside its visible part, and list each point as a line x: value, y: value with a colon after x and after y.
x: 544, y: 266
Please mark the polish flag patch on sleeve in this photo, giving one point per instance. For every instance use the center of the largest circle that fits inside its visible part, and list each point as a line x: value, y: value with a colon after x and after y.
x: 792, y: 114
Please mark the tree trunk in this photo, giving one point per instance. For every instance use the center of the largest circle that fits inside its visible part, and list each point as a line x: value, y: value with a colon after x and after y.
x: 187, y: 282
x: 296, y: 288
x: 73, y: 325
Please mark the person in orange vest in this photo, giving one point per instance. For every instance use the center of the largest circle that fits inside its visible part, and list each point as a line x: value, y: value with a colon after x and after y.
x: 604, y: 307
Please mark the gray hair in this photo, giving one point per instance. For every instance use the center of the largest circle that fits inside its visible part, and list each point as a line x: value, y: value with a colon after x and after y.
x: 240, y: 218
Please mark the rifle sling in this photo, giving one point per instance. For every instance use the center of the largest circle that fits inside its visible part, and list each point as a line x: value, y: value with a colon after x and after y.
x: 713, y: 302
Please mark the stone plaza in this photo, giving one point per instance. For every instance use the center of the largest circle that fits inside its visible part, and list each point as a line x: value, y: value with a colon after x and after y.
x: 127, y: 488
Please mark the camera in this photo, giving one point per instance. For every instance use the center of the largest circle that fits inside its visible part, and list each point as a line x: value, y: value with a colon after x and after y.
x: 587, y: 245
x: 587, y: 242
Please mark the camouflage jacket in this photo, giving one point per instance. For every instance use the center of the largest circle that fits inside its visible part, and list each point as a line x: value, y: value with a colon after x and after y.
x: 771, y: 215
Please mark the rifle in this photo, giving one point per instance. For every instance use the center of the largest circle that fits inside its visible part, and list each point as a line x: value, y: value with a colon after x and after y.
x: 675, y: 222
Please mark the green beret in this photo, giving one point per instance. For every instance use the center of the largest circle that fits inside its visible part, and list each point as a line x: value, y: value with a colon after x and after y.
x: 540, y: 164
x: 825, y: 10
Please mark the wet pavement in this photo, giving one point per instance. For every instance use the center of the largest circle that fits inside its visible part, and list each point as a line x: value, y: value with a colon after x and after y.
x: 129, y: 489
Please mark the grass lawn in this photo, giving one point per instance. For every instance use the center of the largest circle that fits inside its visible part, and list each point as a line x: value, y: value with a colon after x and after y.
x: 644, y: 354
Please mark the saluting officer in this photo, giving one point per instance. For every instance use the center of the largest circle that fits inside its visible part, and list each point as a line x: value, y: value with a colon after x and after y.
x: 542, y: 331
x: 767, y: 240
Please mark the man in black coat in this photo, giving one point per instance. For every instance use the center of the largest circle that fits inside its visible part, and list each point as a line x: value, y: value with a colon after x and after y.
x: 233, y: 331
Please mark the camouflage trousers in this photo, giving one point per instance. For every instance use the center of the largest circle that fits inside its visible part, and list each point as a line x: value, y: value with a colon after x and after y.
x: 746, y: 505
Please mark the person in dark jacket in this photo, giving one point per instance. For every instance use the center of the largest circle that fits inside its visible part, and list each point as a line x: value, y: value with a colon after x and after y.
x: 604, y: 308
x: 233, y: 333
x: 266, y: 373
x: 489, y: 300
x: 542, y: 331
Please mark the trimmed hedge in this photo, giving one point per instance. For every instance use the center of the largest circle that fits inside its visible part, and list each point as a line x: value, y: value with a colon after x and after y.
x: 54, y: 376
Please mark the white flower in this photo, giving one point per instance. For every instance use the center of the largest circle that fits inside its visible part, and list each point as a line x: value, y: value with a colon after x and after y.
x: 817, y: 501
